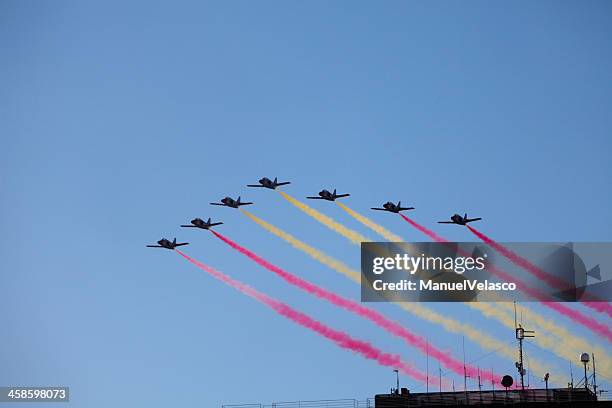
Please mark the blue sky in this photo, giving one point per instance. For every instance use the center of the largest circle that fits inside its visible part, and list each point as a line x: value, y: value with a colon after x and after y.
x: 122, y: 121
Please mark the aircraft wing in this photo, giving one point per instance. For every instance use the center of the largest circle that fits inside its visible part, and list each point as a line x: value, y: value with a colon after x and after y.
x: 154, y: 246
x: 379, y: 209
x: 244, y: 204
x: 342, y: 195
x: 473, y: 219
x: 215, y: 223
x: 284, y: 183
x: 188, y: 226
x: 221, y: 204
x: 184, y: 243
x: 255, y: 185
x: 406, y: 208
x: 446, y: 222
x: 316, y: 198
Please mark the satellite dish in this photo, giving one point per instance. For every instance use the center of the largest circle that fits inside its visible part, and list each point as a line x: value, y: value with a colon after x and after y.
x: 507, y: 381
x: 584, y: 358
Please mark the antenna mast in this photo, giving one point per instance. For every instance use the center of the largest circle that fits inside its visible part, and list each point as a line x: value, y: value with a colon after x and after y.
x: 479, y: 385
x: 493, y: 382
x: 522, y: 334
x: 465, y: 376
x: 440, y: 376
x: 594, y: 380
x: 427, y: 349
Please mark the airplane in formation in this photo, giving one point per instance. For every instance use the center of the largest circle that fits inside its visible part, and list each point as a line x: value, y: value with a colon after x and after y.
x: 389, y: 206
x: 230, y: 202
x: 326, y: 195
x: 459, y: 220
x: 166, y: 243
x: 200, y: 223
x: 267, y: 183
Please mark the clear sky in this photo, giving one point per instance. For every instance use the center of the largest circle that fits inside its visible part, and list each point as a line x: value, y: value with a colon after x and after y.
x: 121, y: 120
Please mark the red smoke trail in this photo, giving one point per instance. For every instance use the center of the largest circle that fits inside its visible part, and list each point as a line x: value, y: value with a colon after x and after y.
x: 340, y: 338
x: 354, y: 307
x: 424, y: 230
x: 575, y: 315
x: 602, y: 307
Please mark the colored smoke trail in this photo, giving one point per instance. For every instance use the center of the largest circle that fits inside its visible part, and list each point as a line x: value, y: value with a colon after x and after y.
x: 353, y: 236
x: 383, y: 232
x: 577, y: 316
x: 473, y: 334
x: 309, y: 250
x: 558, y: 307
x: 562, y: 342
x: 551, y: 280
x: 424, y: 230
x: 341, y: 339
x: 354, y: 307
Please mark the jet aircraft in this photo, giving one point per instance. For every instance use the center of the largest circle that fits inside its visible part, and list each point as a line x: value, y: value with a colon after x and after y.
x: 326, y: 195
x: 459, y: 220
x: 165, y: 243
x: 230, y: 202
x: 200, y: 223
x: 389, y: 206
x: 267, y: 183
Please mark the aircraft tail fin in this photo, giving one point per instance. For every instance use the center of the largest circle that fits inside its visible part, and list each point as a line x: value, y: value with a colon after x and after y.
x: 595, y: 272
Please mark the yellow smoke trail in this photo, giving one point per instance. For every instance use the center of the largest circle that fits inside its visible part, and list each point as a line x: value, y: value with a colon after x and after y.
x: 311, y: 251
x: 472, y: 333
x: 551, y: 336
x: 353, y: 236
x: 380, y: 230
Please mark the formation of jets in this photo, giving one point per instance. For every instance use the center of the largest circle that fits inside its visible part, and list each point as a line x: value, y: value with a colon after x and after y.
x: 273, y: 184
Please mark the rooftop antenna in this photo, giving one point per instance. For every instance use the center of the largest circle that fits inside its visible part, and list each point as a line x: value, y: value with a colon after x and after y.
x: 571, y: 384
x: 528, y: 371
x: 427, y: 362
x: 479, y: 385
x: 594, y: 379
x: 396, y: 380
x: 440, y: 376
x: 465, y: 376
x: 584, y: 359
x: 493, y: 382
x: 521, y: 334
x: 546, y: 381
